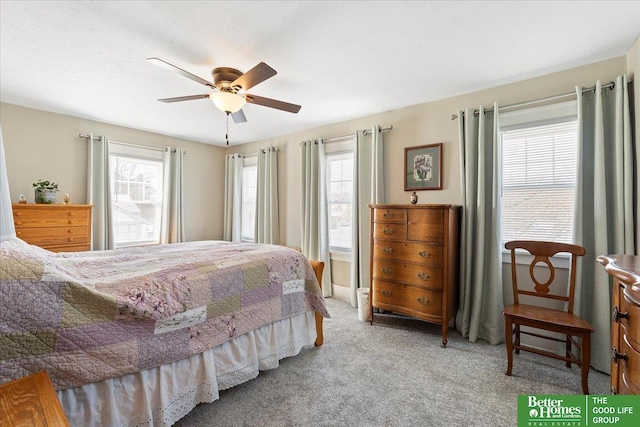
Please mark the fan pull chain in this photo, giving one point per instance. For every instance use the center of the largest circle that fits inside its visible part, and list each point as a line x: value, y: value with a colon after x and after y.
x: 227, y: 134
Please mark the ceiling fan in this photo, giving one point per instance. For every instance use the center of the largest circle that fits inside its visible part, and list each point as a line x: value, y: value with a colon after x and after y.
x: 230, y: 86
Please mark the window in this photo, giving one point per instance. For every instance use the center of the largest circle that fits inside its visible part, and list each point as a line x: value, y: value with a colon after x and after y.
x: 340, y: 194
x: 137, y: 185
x: 249, y: 196
x: 539, y: 158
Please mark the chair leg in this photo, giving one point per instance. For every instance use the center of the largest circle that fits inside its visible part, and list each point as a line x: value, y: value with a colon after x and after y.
x: 517, y: 341
x: 585, y: 357
x: 568, y: 349
x: 509, y: 341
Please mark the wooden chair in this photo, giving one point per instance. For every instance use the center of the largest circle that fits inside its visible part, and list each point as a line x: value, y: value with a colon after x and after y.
x: 553, y: 320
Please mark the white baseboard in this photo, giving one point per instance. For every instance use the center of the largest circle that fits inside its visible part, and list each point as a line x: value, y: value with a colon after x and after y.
x: 341, y: 292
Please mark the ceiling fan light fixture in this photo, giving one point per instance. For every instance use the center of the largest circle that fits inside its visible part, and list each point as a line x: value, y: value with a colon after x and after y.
x: 228, y: 102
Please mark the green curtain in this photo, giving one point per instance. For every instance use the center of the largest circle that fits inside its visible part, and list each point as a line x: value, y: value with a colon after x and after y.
x: 315, y: 219
x: 267, y: 223
x: 480, y: 303
x: 172, y: 215
x: 368, y: 177
x: 604, y: 204
x: 232, y: 201
x: 7, y: 227
x: 99, y: 193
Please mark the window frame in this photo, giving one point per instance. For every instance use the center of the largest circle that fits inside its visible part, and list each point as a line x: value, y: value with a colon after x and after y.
x: 250, y: 161
x: 148, y: 155
x: 527, y: 118
x: 340, y: 147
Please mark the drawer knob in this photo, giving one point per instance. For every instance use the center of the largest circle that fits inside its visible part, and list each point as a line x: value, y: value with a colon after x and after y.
x: 617, y: 315
x: 71, y: 221
x: 18, y: 233
x: 17, y: 213
x: 387, y: 231
x: 386, y: 293
x: 424, y: 276
x: 423, y: 301
x: 387, y: 270
x: 72, y: 214
x: 388, y: 215
x: 424, y: 254
x: 615, y: 356
x: 18, y: 222
x: 387, y: 250
x: 70, y: 239
x: 70, y: 231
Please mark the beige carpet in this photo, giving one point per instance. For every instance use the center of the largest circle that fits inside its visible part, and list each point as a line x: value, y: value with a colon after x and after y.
x: 391, y: 373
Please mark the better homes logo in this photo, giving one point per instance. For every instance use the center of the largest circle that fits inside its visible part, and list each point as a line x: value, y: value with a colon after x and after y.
x: 550, y: 409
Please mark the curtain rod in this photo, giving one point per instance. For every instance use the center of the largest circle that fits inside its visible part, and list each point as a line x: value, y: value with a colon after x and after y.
x: 352, y: 135
x: 255, y: 153
x: 366, y: 132
x: 548, y: 98
x: 128, y: 144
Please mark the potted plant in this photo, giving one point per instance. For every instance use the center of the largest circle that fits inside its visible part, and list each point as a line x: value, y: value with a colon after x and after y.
x: 45, y: 191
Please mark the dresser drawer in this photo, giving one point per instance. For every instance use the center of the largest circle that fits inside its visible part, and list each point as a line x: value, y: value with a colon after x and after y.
x: 52, y: 218
x: 425, y: 225
x: 631, y: 366
x: 412, y: 274
x: 631, y: 311
x: 390, y: 215
x: 54, y: 236
x: 625, y: 387
x: 389, y: 231
x: 404, y: 298
x: 411, y: 252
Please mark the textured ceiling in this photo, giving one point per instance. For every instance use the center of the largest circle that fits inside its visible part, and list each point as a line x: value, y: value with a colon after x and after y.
x: 339, y: 60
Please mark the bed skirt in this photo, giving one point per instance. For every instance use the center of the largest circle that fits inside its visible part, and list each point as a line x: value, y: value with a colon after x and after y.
x: 161, y: 396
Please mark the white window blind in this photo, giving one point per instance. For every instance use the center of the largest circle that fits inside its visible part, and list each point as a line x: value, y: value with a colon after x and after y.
x: 539, y: 182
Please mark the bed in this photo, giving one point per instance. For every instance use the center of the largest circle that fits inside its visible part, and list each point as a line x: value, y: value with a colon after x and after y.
x: 140, y: 336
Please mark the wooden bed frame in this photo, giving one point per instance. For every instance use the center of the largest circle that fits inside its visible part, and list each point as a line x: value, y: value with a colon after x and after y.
x: 318, y: 268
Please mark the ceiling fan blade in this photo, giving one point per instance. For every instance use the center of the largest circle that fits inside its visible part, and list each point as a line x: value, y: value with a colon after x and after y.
x: 238, y: 117
x: 159, y: 62
x: 184, y: 98
x: 257, y: 74
x: 272, y: 103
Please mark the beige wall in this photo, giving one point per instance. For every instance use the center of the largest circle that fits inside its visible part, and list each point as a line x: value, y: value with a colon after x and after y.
x: 46, y: 145
x: 633, y: 69
x: 417, y: 125
x: 43, y: 145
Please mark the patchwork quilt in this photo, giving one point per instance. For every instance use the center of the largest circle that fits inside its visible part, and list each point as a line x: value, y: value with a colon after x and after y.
x: 89, y: 316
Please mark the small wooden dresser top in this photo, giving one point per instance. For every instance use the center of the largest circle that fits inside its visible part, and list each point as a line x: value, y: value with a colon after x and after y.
x: 58, y: 228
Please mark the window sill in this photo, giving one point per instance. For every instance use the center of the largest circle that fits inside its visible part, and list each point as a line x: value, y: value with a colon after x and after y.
x: 340, y: 256
x: 558, y: 261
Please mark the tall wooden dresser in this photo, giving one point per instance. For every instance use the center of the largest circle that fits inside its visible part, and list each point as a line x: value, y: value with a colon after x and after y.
x: 58, y: 228
x: 625, y: 332
x: 415, y: 260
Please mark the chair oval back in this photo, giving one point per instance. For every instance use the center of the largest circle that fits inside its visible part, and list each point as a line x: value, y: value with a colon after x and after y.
x: 542, y: 252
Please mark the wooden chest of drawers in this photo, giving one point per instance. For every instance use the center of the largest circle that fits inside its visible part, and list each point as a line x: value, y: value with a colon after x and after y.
x: 625, y: 332
x: 414, y: 261
x: 58, y: 228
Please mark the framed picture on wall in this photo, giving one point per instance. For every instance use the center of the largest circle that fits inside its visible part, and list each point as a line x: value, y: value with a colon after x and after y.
x: 423, y: 167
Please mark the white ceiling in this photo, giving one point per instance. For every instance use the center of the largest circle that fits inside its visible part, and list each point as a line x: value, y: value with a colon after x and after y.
x: 339, y: 60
